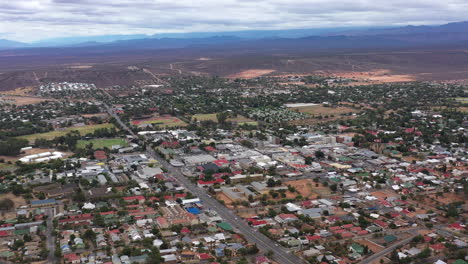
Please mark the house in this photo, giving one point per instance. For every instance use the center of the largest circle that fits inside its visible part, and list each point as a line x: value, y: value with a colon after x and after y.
x: 389, y: 238
x: 139, y: 198
x: 437, y: 247
x: 202, y: 183
x: 72, y: 258
x: 356, y: 248
x: 285, y: 218
x: 169, y: 259
x: 262, y: 260
x: 43, y: 203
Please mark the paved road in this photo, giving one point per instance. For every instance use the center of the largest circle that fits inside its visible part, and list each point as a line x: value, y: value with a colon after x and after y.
x: 117, y: 118
x: 253, y: 236
x: 412, y: 231
x: 49, y: 236
x: 386, y: 251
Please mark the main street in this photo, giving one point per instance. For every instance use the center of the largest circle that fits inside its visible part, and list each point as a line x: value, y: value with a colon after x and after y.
x: 253, y: 236
x: 50, y: 237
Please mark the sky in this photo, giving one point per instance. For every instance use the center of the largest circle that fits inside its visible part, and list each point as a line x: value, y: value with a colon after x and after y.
x: 32, y: 20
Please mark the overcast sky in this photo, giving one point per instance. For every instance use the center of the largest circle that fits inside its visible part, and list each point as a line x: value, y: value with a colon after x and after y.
x: 30, y: 20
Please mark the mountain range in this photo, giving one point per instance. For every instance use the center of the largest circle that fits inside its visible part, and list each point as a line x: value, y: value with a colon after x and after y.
x: 452, y: 33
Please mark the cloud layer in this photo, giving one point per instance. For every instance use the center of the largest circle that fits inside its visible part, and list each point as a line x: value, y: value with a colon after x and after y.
x: 29, y: 20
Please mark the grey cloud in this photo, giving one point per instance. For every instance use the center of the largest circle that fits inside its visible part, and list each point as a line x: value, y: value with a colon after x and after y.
x: 24, y: 19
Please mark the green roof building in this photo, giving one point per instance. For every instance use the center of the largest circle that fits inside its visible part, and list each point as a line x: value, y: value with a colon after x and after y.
x: 225, y: 226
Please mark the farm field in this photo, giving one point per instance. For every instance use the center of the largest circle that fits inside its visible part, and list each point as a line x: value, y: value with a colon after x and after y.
x: 83, y: 130
x: 163, y: 121
x: 239, y: 119
x: 102, y: 143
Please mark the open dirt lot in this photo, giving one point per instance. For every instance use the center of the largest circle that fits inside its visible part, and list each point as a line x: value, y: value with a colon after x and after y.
x: 447, y: 198
x: 384, y: 194
x: 307, y: 188
x: 222, y: 197
x: 80, y: 66
x: 372, y: 246
x: 376, y: 76
x: 253, y: 73
x: 18, y: 201
x: 21, y: 91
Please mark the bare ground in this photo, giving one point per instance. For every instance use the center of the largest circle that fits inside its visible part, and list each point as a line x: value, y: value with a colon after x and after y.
x: 17, y: 200
x: 253, y: 73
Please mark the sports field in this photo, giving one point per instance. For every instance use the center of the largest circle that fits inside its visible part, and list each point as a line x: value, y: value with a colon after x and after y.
x: 101, y: 143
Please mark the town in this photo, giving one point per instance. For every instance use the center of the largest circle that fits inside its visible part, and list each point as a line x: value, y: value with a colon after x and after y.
x: 194, y: 169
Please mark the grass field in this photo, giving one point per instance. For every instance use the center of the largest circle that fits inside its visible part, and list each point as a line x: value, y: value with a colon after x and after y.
x: 322, y: 110
x: 241, y: 120
x: 6, y: 166
x: 102, y: 143
x: 461, y: 99
x: 83, y: 130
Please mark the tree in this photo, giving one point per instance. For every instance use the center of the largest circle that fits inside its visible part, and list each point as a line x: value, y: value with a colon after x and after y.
x: 90, y: 235
x: 452, y: 211
x: 222, y: 117
x: 58, y: 252
x: 319, y: 154
x: 6, y: 204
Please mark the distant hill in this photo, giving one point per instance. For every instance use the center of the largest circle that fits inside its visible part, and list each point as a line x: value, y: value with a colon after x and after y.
x: 323, y: 36
x: 71, y: 41
x: 260, y: 34
x: 439, y: 50
x: 9, y: 44
x: 456, y: 27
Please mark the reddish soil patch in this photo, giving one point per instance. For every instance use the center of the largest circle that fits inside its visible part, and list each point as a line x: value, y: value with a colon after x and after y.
x: 376, y: 76
x: 253, y: 73
x: 222, y: 197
